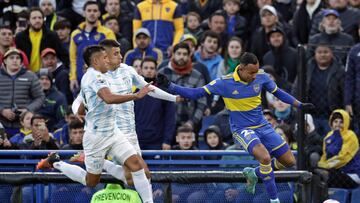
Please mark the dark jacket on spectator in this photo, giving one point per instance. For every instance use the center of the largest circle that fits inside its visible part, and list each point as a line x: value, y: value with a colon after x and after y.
x: 62, y: 82
x: 20, y: 91
x: 259, y: 41
x: 206, y: 10
x: 340, y: 44
x: 302, y: 22
x: 28, y: 143
x: 284, y: 61
x: 349, y: 21
x: 222, y: 121
x: 49, y: 40
x: 155, y: 122
x: 53, y: 109
x: 334, y: 81
x: 352, y: 77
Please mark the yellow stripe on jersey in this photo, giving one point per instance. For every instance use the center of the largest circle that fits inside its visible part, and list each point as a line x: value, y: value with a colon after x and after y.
x: 245, y: 104
x: 207, y: 90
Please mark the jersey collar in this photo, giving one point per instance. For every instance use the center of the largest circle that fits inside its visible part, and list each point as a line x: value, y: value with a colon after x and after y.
x: 237, y: 77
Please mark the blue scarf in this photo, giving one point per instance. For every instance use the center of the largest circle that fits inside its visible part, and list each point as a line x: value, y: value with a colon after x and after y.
x: 283, y: 115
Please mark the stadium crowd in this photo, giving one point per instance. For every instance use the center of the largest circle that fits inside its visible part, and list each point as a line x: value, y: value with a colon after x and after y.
x: 192, y: 42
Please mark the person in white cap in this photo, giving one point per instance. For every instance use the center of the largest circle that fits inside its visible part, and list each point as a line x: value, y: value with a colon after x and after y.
x: 48, y: 7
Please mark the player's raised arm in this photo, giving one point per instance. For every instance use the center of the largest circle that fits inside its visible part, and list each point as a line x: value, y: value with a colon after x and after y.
x: 289, y: 99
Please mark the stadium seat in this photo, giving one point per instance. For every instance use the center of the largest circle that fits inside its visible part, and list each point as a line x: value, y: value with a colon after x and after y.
x: 339, y: 194
x: 355, y: 195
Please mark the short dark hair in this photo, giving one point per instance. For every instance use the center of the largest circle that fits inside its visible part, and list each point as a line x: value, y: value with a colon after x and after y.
x: 210, y: 34
x: 88, y: 3
x: 148, y: 59
x: 109, y: 43
x: 22, y: 14
x: 7, y: 27
x: 37, y: 116
x: 248, y: 58
x: 184, y: 129
x: 218, y: 13
x: 33, y: 9
x: 76, y: 124
x: 110, y: 18
x: 90, y: 51
x: 334, y: 116
x: 181, y: 45
x: 192, y: 13
x: 61, y: 24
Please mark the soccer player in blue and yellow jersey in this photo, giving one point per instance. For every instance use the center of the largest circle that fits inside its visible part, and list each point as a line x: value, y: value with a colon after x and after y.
x: 241, y: 92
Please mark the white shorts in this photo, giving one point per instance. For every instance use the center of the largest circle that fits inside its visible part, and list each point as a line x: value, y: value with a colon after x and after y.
x: 97, y: 147
x: 132, y: 137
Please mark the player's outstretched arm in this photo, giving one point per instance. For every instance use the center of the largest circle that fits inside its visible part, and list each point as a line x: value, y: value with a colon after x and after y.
x: 110, y: 98
x: 289, y: 99
x: 186, y: 92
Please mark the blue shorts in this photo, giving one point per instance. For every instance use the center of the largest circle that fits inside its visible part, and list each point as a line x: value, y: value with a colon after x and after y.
x: 266, y: 135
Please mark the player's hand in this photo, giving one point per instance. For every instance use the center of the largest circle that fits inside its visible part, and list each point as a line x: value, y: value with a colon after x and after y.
x: 144, y: 91
x: 349, y: 110
x: 179, y: 99
x: 307, y: 107
x: 162, y: 81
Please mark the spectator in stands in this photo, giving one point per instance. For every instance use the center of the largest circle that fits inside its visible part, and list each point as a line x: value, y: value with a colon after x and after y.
x: 331, y: 33
x: 324, y: 86
x: 62, y: 135
x: 221, y: 120
x: 287, y: 134
x: 284, y: 113
x: 192, y: 25
x: 48, y: 7
x: 208, y: 52
x: 313, y: 143
x: 352, y: 85
x: 22, y: 21
x: 270, y: 117
x: 36, y: 38
x: 4, y: 141
x: 281, y: 56
x: 259, y: 41
x: 88, y: 33
x: 354, y: 3
x: 76, y: 133
x: 143, y: 48
x: 7, y: 41
x: 191, y: 41
x: 304, y: 18
x: 59, y: 72
x: 72, y: 10
x: 233, y: 51
x: 54, y: 106
x: 213, y: 140
x: 63, y: 30
x: 165, y: 29
x: 347, y: 15
x: 40, y: 138
x: 341, y: 154
x: 137, y: 65
x: 203, y: 7
x: 154, y: 118
x: 124, y: 19
x: 8, y: 12
x: 181, y: 71
x: 20, y: 90
x: 236, y: 24
x: 112, y: 23
x: 217, y: 24
x: 25, y: 121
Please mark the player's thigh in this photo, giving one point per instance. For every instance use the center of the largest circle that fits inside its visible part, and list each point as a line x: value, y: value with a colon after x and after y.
x: 247, y: 138
x: 132, y: 138
x: 95, y: 149
x: 121, y: 150
x: 273, y: 142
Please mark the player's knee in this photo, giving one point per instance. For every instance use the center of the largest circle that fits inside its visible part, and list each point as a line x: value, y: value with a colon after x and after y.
x: 265, y: 159
x: 133, y: 163
x: 290, y: 162
x: 91, y: 183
